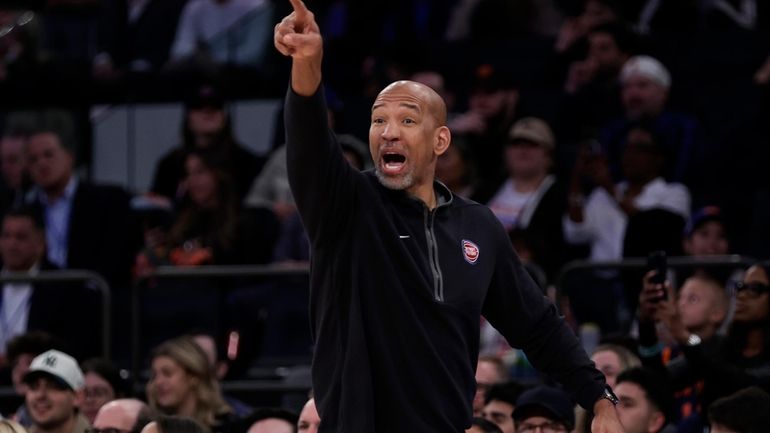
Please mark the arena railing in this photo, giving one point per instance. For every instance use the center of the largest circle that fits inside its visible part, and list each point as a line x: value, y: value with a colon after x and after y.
x: 675, y: 263
x: 213, y: 272
x: 640, y: 263
x: 91, y: 280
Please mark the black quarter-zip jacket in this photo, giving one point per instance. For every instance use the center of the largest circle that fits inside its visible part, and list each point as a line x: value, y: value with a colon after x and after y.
x: 397, y: 289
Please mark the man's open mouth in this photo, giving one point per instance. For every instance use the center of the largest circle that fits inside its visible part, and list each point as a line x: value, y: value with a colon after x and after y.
x: 392, y: 162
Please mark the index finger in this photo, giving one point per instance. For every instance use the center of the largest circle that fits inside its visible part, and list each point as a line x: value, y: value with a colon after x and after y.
x: 299, y: 8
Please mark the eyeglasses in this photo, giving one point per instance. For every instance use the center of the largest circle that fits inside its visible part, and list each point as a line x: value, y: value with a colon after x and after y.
x: 753, y: 289
x: 547, y: 427
x: 97, y: 392
x: 106, y: 430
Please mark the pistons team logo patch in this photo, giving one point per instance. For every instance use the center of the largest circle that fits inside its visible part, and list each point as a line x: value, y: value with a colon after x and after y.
x: 470, y: 251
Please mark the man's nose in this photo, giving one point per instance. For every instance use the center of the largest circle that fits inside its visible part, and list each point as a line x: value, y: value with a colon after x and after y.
x: 391, y: 131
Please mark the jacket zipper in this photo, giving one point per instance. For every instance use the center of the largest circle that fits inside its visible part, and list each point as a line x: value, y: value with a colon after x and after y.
x: 438, y: 281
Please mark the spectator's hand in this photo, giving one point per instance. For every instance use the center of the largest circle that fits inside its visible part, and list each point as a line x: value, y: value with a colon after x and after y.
x: 668, y: 314
x: 590, y: 161
x: 599, y: 170
x: 569, y: 32
x: 581, y: 72
x: 628, y: 204
x: 762, y: 76
x: 605, y: 418
x: 297, y: 35
x: 468, y: 123
x: 651, y: 296
x: 283, y: 210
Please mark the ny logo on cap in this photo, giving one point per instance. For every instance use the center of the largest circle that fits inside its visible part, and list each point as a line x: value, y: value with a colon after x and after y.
x: 50, y: 361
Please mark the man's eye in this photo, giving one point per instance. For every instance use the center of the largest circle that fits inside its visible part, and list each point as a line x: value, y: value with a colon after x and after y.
x: 378, y: 121
x: 409, y: 121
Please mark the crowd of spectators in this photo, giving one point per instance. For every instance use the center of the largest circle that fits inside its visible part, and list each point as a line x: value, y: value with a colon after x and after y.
x: 593, y: 129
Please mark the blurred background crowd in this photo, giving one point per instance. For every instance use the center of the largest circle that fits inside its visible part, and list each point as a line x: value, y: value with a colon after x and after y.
x: 597, y: 131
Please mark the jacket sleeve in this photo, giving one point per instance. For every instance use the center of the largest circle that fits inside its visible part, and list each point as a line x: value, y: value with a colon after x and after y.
x: 321, y: 180
x: 517, y: 308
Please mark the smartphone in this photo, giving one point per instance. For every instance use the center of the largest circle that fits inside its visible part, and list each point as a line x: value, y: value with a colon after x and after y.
x: 657, y: 261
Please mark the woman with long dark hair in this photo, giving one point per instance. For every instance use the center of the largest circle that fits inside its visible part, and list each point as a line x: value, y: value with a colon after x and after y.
x: 747, y: 346
x: 206, y: 126
x: 210, y: 227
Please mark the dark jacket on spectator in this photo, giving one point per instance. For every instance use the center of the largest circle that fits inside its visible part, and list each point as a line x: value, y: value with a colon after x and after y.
x: 103, y: 233
x: 68, y: 311
x: 148, y: 38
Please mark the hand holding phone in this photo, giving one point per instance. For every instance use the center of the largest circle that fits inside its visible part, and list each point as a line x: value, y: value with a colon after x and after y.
x: 658, y: 262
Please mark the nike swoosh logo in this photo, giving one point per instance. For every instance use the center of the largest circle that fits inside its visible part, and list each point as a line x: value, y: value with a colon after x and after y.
x: 403, y: 236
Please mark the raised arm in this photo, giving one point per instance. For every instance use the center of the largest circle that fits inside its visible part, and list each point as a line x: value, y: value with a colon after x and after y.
x: 321, y: 180
x: 297, y: 36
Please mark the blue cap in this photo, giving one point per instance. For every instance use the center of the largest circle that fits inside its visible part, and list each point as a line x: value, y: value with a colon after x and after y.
x: 702, y: 216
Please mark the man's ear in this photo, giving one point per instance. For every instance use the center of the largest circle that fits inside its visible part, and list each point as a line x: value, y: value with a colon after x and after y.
x: 718, y: 314
x: 80, y: 397
x: 442, y: 141
x: 70, y: 157
x: 657, y: 421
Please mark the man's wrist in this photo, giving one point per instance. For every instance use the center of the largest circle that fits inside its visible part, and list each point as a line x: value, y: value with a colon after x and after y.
x: 607, y: 400
x: 610, y: 396
x: 693, y: 340
x: 603, y: 405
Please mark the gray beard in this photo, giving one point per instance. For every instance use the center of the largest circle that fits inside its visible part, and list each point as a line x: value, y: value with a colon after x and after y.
x: 398, y: 183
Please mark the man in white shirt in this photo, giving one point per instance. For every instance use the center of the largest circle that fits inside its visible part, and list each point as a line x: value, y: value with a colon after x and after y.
x: 600, y: 219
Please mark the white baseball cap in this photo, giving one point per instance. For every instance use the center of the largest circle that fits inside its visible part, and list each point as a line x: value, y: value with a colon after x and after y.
x: 60, y: 366
x: 648, y: 67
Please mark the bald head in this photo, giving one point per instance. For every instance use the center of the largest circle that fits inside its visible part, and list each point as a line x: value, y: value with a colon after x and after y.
x: 121, y: 414
x: 432, y: 100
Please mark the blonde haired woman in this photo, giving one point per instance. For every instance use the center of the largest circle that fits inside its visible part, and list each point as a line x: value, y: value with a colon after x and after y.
x: 182, y: 384
x: 9, y: 426
x: 612, y: 359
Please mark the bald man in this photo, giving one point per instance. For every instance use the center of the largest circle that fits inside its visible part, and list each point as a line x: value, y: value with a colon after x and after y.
x: 123, y: 415
x: 402, y: 269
